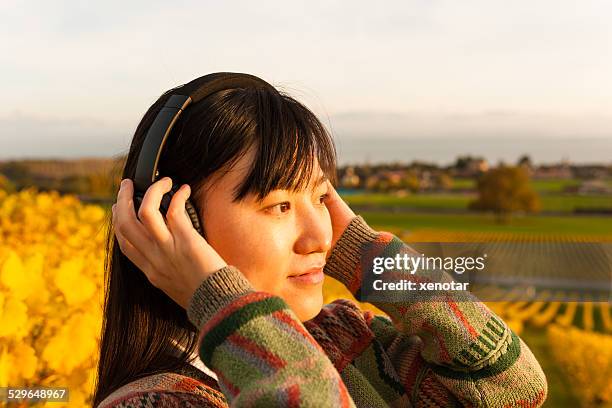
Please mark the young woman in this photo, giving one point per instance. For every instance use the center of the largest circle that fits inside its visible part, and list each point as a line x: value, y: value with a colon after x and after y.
x: 247, y: 300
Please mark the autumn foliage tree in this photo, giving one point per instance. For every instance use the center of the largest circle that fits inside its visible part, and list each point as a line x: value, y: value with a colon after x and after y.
x: 506, y: 190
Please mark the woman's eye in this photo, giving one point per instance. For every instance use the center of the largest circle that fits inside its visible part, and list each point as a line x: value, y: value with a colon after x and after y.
x: 283, y: 207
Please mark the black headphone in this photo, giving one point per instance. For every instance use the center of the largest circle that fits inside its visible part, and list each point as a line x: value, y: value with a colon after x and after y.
x: 181, y: 97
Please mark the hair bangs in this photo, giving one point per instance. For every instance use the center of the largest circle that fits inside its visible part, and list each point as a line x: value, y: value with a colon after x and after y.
x: 290, y: 142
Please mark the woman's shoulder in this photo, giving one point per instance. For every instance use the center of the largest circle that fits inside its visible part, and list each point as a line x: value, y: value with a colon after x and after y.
x: 167, y: 389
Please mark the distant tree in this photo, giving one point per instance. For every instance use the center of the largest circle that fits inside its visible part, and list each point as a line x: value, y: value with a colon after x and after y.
x: 6, y: 184
x: 103, y: 184
x: 74, y: 184
x: 463, y: 162
x: 411, y: 182
x: 443, y: 181
x: 18, y: 173
x: 525, y: 160
x: 506, y: 190
x: 382, y: 186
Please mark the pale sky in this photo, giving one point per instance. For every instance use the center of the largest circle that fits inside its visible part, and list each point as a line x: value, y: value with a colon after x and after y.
x: 76, y: 77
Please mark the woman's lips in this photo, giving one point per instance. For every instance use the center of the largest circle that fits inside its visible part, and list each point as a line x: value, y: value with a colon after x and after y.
x: 312, y: 277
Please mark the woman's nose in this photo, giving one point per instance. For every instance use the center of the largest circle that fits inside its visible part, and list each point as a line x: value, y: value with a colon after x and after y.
x: 315, y: 232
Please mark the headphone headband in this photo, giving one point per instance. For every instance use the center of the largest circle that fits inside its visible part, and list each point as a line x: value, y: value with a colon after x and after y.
x: 179, y: 100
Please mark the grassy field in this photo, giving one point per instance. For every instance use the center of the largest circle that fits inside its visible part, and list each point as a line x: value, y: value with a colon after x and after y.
x: 559, y: 225
x: 541, y: 186
x: 459, y: 201
x: 384, y: 217
x: 553, y: 186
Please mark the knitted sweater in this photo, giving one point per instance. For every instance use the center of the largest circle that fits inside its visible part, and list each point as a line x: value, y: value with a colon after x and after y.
x: 428, y: 354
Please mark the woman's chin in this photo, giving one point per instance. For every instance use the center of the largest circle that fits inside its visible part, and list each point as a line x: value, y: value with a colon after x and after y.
x: 307, y: 308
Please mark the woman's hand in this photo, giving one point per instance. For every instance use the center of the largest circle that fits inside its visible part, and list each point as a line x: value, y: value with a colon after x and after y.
x: 340, y: 213
x: 171, y: 253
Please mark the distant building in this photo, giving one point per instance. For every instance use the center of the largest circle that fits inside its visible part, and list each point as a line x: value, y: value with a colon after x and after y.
x: 556, y: 171
x: 395, y: 177
x: 426, y: 181
x: 592, y: 171
x: 350, y: 179
x: 372, y: 181
x: 470, y: 166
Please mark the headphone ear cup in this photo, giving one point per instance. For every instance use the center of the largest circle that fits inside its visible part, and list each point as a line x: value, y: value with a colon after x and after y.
x: 189, y: 208
x: 166, y: 199
x: 193, y: 216
x: 165, y: 204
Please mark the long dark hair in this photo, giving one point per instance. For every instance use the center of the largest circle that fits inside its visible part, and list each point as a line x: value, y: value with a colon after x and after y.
x: 140, y: 321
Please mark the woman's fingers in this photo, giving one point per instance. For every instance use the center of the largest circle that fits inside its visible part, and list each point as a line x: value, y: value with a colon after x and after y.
x: 339, y: 211
x: 149, y: 214
x: 338, y: 208
x: 131, y: 251
x: 179, y: 222
x: 125, y: 221
x: 188, y: 238
x: 177, y: 268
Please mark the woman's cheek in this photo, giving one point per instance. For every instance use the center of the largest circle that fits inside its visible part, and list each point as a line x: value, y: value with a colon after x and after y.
x: 272, y: 256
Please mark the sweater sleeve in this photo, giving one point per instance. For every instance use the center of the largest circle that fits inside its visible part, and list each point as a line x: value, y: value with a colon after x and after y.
x: 258, y: 348
x: 464, y: 346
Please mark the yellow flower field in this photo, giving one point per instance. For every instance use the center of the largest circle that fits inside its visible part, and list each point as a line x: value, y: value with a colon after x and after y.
x: 51, y: 274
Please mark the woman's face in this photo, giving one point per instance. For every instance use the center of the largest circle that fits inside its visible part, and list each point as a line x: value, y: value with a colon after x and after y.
x: 271, y: 241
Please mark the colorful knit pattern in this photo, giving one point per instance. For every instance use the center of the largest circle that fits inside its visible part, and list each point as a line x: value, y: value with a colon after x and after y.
x: 464, y: 346
x: 428, y: 354
x: 264, y: 355
x: 167, y: 390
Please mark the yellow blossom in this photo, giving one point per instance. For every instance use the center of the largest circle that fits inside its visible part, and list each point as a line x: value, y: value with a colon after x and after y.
x: 72, y: 283
x: 14, y: 318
